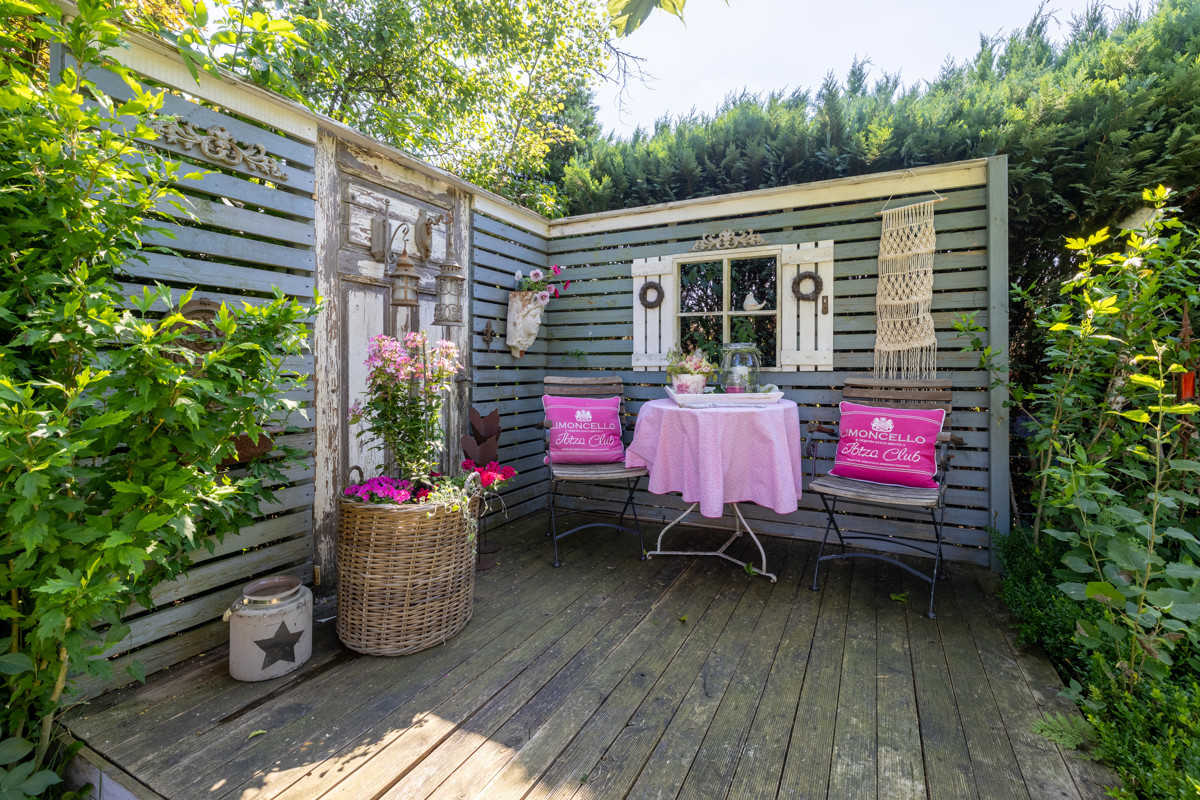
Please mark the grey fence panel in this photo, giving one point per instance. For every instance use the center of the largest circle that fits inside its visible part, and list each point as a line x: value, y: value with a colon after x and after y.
x: 500, y: 381
x: 244, y: 237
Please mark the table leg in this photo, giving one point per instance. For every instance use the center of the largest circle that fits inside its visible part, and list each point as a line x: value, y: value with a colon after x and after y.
x: 740, y: 522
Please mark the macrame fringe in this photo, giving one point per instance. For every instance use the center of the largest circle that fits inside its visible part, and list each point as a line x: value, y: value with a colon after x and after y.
x: 906, y: 341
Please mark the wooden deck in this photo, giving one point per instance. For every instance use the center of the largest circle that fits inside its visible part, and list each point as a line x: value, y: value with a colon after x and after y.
x: 611, y: 677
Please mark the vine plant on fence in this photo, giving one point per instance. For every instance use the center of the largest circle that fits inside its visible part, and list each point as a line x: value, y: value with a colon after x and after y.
x: 112, y: 431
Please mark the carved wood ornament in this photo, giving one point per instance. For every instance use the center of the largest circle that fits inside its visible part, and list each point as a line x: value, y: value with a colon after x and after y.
x: 219, y: 145
x: 727, y: 240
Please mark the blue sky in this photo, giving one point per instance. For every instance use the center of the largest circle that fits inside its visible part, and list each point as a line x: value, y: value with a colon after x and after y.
x: 762, y: 45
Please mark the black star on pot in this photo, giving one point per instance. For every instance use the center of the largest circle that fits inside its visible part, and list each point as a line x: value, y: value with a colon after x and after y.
x: 280, y: 647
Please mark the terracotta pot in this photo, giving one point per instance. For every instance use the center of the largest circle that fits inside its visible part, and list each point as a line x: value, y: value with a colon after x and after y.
x: 524, y: 319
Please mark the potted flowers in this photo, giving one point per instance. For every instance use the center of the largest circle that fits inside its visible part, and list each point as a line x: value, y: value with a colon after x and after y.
x: 406, y: 540
x: 688, y: 374
x: 526, y: 304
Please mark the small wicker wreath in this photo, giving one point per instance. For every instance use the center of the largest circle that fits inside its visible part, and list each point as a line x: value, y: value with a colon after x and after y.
x: 818, y: 285
x: 651, y: 286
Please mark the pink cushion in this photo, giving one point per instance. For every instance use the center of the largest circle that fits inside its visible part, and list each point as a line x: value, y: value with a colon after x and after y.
x: 584, y: 430
x: 894, y: 446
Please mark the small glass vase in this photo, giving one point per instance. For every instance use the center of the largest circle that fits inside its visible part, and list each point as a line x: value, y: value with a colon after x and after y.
x: 739, y: 368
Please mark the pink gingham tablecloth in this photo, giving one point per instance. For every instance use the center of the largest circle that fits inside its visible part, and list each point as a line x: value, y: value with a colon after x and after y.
x: 715, y: 456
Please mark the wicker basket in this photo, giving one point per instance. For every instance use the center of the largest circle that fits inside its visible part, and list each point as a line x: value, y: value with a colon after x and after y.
x: 406, y: 575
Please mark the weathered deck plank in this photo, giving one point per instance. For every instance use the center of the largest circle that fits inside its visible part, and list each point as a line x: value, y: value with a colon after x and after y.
x: 853, y: 771
x: 947, y: 761
x: 766, y: 691
x: 810, y: 751
x: 901, y: 770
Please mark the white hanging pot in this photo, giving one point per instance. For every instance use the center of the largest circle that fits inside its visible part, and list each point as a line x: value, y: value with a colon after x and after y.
x: 524, y: 319
x: 270, y: 628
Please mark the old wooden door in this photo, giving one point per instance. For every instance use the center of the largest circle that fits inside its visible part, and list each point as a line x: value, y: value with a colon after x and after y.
x: 358, y: 186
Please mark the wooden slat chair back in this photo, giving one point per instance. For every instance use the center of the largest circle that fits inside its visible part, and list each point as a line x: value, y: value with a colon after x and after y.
x: 929, y: 394
x: 599, y: 386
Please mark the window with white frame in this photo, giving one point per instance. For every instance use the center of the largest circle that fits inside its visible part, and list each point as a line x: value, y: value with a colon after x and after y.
x: 733, y: 298
x: 778, y: 297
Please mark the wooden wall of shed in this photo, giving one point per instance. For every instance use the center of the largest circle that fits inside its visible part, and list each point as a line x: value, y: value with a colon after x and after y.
x: 589, y: 329
x: 246, y: 236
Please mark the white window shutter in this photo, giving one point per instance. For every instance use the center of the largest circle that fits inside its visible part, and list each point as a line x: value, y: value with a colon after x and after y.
x: 654, y: 329
x: 806, y: 327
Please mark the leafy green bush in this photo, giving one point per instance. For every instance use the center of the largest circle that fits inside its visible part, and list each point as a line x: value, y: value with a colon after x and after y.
x: 1045, y: 615
x: 112, y: 430
x: 1150, y: 735
x: 1113, y: 482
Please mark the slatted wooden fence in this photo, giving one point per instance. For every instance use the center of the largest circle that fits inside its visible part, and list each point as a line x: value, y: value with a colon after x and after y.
x: 590, y: 329
x: 244, y: 234
x: 513, y: 385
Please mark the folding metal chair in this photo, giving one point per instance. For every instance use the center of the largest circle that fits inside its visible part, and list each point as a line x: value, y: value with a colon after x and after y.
x: 601, y: 386
x: 834, y: 490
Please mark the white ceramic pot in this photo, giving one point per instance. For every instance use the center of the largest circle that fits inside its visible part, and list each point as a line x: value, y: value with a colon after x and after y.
x: 270, y: 629
x: 524, y: 319
x: 688, y: 384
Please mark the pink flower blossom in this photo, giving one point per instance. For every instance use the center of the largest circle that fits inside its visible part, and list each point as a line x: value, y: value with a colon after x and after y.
x: 556, y: 269
x: 543, y: 297
x: 536, y: 275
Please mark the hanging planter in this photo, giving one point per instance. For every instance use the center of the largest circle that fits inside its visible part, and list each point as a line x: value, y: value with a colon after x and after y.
x: 526, y: 304
x: 524, y: 319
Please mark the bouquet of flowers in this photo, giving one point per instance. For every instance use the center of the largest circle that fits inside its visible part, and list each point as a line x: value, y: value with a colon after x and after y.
x: 689, y: 373
x: 406, y: 387
x: 541, y: 283
x: 695, y: 363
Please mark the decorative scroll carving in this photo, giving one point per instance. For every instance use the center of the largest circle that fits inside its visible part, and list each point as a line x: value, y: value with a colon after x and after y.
x: 219, y: 145
x: 727, y: 240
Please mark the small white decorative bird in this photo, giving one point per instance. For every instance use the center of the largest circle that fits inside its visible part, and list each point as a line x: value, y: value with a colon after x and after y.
x: 750, y: 304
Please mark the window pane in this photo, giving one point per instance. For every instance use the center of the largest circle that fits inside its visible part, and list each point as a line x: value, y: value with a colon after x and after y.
x: 703, y: 333
x: 761, y: 330
x: 700, y: 287
x: 753, y: 281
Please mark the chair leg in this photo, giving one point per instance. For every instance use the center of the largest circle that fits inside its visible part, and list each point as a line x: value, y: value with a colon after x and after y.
x: 821, y: 551
x: 633, y: 483
x: 553, y: 523
x: 939, y: 572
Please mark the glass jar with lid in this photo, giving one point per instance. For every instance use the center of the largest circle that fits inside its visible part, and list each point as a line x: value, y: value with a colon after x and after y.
x: 740, y: 363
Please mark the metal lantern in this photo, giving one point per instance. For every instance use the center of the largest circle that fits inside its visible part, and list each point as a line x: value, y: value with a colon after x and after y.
x: 399, y: 268
x: 404, y: 276
x: 449, y: 283
x: 449, y: 308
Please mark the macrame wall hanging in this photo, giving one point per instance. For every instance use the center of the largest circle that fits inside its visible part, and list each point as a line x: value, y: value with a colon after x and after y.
x: 905, y: 343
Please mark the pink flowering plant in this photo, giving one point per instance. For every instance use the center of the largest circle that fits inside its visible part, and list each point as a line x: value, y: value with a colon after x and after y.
x: 545, y: 285
x: 406, y: 387
x: 695, y: 363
